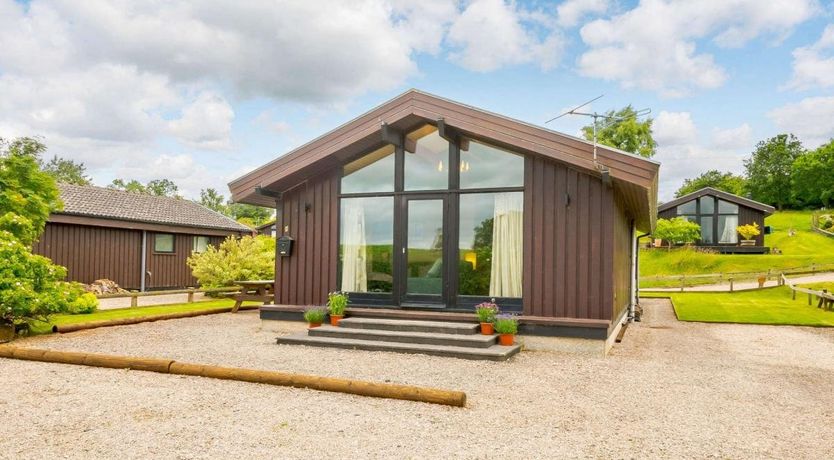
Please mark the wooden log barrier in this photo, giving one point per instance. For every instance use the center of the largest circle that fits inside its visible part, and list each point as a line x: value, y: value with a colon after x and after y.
x: 167, y: 366
x: 63, y: 328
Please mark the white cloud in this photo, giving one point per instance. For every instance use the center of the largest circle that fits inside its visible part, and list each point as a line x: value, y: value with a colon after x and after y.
x: 813, y: 66
x: 570, y: 12
x: 810, y: 119
x: 205, y: 123
x: 732, y: 138
x: 490, y: 34
x: 266, y: 119
x: 674, y: 129
x: 653, y: 46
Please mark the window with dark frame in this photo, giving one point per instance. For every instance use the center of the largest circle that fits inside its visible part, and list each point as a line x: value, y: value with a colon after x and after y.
x: 718, y: 218
x: 199, y: 244
x: 163, y: 243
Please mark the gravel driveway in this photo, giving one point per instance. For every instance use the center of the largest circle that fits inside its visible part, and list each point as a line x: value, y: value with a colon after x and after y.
x: 670, y: 390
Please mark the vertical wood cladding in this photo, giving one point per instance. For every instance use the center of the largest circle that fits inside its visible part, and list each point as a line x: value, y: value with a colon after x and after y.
x: 170, y: 270
x: 92, y: 253
x: 568, y: 243
x: 622, y: 258
x: 310, y: 215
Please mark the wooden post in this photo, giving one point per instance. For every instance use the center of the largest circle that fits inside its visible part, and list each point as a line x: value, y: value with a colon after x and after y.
x: 134, y: 300
x: 191, y: 295
x: 683, y: 282
x: 809, y: 298
x: 731, y: 283
x: 793, y: 294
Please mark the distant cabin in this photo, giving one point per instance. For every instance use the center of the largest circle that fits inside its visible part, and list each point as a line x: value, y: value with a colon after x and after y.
x: 719, y: 214
x: 139, y: 241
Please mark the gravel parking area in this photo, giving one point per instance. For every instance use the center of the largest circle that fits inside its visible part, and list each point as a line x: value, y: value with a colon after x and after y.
x: 670, y: 390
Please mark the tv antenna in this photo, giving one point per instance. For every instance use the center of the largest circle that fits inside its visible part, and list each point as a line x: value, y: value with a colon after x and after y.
x: 608, y: 119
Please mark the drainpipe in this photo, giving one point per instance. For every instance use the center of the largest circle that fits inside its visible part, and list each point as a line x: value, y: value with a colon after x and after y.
x: 144, y: 260
x: 635, y: 267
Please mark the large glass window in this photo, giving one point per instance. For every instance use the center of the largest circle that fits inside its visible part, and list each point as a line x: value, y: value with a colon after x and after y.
x: 427, y: 168
x: 366, y: 246
x: 707, y: 204
x: 725, y: 207
x: 706, y: 230
x: 483, y: 166
x: 491, y: 244
x: 373, y: 172
x: 687, y: 208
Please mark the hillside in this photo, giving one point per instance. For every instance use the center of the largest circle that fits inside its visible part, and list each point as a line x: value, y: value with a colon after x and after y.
x: 804, y: 248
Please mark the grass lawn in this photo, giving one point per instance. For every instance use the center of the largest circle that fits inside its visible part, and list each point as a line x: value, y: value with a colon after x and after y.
x: 765, y: 306
x: 829, y: 285
x: 806, y: 247
x: 103, y: 315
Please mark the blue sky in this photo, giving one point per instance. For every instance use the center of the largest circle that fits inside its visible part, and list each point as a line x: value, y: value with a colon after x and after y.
x: 202, y: 92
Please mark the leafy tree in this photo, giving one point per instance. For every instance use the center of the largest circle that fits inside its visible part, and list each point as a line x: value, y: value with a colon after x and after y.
x: 156, y: 187
x: 27, y: 194
x: 677, y: 231
x: 247, y: 258
x: 628, y: 134
x: 213, y: 200
x: 248, y: 214
x: 812, y: 177
x: 133, y: 186
x: 67, y: 171
x: 768, y: 170
x: 727, y: 182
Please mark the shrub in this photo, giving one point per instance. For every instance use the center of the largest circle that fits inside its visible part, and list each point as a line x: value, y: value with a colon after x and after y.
x: 749, y: 231
x: 486, y: 312
x: 235, y: 259
x: 826, y: 221
x: 314, y: 315
x: 31, y: 286
x: 506, y: 324
x: 337, y: 303
x: 677, y: 231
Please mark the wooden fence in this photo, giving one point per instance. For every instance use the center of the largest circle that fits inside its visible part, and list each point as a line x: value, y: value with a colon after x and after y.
x: 826, y: 299
x: 134, y: 296
x: 685, y: 281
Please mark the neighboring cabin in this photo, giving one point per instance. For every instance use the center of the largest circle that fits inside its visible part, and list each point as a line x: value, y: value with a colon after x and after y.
x: 719, y: 214
x: 101, y: 233
x: 428, y: 204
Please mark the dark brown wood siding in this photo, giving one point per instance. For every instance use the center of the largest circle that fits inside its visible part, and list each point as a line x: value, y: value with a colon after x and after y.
x: 92, y: 253
x: 568, y: 242
x: 622, y: 257
x: 310, y: 215
x: 171, y: 270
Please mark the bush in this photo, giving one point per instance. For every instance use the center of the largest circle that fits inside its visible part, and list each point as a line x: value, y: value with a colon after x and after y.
x: 31, y: 286
x: 337, y: 303
x: 235, y: 259
x: 506, y: 324
x: 749, y: 231
x: 315, y: 315
x: 677, y: 231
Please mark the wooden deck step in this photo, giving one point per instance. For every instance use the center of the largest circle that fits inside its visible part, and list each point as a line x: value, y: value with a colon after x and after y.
x: 428, y: 338
x: 492, y: 353
x: 437, y: 327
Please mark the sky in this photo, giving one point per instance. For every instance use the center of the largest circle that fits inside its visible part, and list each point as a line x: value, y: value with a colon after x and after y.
x: 203, y: 91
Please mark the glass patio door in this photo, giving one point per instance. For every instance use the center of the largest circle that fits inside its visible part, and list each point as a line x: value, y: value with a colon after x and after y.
x: 423, y: 252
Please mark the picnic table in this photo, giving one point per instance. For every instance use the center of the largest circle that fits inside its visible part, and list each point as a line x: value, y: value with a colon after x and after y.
x: 258, y: 290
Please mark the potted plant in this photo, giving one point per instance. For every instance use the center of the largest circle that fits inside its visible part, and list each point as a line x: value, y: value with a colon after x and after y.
x: 314, y: 317
x: 748, y: 233
x: 506, y: 326
x: 486, y: 312
x: 336, y: 305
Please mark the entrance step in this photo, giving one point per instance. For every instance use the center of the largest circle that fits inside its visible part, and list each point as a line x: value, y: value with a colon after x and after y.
x: 385, y: 335
x: 436, y: 327
x: 493, y: 353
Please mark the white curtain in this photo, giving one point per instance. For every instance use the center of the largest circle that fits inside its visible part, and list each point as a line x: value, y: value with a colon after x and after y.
x: 507, y: 240
x: 729, y: 235
x: 354, y: 269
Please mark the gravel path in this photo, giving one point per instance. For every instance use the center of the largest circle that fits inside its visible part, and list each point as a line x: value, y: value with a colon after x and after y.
x: 670, y: 390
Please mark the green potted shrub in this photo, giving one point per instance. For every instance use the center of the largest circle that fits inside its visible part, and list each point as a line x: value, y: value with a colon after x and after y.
x: 486, y: 312
x: 506, y: 326
x: 314, y: 317
x: 336, y: 305
x: 748, y: 233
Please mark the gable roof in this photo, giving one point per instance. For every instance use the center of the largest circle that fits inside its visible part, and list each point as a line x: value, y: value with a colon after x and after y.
x: 105, y: 203
x: 634, y: 176
x: 740, y: 200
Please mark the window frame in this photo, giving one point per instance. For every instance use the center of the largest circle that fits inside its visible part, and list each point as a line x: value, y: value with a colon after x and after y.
x: 173, y: 244
x: 714, y: 215
x: 194, y: 244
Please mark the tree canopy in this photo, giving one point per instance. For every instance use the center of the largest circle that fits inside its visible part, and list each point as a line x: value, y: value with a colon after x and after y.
x: 812, y: 177
x: 677, y: 231
x: 213, y: 200
x: 628, y: 134
x: 768, y: 170
x: 67, y: 171
x: 156, y: 187
x: 727, y: 182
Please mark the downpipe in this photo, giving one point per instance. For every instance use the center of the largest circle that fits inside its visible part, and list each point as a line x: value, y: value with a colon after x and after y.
x: 634, y: 310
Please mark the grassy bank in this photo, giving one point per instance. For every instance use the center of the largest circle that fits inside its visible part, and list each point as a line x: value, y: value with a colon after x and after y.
x: 120, y: 313
x: 803, y: 249
x: 766, y: 306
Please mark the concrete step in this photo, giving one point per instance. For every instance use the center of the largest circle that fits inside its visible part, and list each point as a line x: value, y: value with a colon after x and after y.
x: 428, y: 338
x: 436, y: 327
x: 492, y: 353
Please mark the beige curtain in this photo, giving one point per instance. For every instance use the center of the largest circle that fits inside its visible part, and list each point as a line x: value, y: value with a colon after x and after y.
x: 507, y: 242
x: 730, y: 234
x: 354, y: 268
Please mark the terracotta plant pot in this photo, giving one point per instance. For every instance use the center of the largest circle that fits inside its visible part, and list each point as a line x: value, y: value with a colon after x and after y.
x: 6, y: 332
x: 312, y: 325
x: 487, y: 329
x: 334, y: 319
x: 506, y: 339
